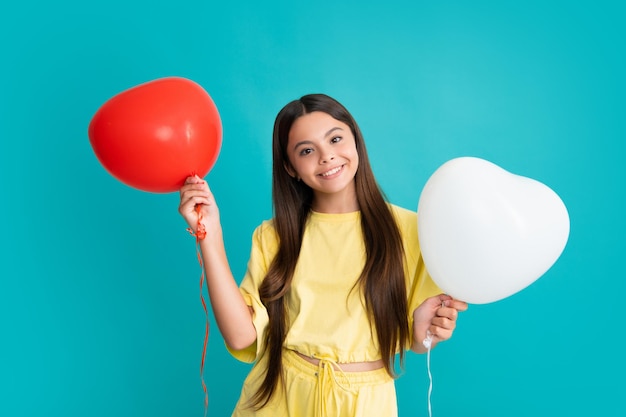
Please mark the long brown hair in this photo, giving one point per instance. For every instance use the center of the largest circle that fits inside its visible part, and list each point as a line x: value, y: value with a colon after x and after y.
x: 382, y: 279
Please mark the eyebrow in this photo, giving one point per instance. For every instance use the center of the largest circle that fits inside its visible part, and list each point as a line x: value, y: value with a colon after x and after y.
x: 307, y: 142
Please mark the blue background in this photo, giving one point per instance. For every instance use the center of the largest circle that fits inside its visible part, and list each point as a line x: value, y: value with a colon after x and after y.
x: 99, y: 303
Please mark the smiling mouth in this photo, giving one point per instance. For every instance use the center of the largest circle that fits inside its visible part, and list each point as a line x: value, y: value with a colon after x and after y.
x: 331, y: 171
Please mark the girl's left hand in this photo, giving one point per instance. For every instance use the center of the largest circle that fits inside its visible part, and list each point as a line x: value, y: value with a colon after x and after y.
x: 436, y: 315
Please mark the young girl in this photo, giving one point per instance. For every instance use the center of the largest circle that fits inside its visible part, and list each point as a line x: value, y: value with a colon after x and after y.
x: 335, y: 286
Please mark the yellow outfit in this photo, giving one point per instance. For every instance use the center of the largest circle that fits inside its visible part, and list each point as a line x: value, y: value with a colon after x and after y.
x: 327, y: 320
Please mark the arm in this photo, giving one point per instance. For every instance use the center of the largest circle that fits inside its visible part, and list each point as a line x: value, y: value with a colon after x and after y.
x: 233, y: 316
x: 438, y: 316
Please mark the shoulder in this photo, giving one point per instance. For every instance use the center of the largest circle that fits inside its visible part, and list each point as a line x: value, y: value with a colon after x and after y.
x: 265, y: 227
x: 405, y: 218
x: 265, y: 235
x: 407, y: 224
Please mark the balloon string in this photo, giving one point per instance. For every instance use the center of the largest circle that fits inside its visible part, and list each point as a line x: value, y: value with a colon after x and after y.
x: 428, y: 343
x: 200, y: 234
x: 200, y: 229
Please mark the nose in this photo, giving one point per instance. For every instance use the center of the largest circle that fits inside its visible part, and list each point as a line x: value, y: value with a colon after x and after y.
x: 326, y: 156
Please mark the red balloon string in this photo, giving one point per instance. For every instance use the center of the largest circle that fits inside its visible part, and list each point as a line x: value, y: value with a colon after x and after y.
x: 199, y: 235
x: 201, y: 231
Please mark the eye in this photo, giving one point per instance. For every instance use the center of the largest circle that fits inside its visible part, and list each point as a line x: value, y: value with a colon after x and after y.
x: 336, y: 139
x: 305, y: 151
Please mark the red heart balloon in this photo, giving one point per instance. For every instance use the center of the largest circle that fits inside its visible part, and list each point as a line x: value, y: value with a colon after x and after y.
x: 153, y: 136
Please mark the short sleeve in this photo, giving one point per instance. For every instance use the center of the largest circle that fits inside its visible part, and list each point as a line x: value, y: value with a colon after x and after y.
x: 420, y: 285
x: 264, y: 246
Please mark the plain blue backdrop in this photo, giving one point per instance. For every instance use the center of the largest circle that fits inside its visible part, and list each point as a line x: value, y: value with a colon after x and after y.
x: 100, y: 312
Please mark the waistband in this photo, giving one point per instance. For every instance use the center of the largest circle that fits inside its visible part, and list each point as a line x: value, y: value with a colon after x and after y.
x: 344, y: 379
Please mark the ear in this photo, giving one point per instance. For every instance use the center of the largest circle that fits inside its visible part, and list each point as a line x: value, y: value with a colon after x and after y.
x: 292, y: 172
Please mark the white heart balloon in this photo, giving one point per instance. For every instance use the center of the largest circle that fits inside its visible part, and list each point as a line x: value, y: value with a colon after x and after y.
x: 486, y: 233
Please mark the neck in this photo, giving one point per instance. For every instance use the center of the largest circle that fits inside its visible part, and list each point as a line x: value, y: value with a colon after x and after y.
x: 325, y: 203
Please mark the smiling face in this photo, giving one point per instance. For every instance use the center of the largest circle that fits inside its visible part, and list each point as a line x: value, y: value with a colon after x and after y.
x: 322, y: 153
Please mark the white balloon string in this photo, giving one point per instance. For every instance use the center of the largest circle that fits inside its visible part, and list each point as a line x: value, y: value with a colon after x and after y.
x: 427, y: 344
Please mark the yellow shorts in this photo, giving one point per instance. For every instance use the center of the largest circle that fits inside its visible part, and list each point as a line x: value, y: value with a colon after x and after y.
x: 320, y: 391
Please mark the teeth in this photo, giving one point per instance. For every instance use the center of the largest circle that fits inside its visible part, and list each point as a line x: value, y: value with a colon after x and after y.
x: 331, y: 172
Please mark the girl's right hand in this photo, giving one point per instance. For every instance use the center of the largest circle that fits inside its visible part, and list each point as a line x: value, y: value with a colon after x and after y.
x: 196, y: 192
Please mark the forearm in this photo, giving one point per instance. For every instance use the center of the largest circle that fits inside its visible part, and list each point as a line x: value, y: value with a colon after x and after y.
x: 420, y: 330
x: 232, y: 315
x: 418, y: 346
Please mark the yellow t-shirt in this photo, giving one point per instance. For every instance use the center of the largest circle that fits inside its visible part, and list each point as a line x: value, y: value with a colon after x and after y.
x: 326, y: 314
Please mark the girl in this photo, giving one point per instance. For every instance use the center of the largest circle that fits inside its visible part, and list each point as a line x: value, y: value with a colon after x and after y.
x: 335, y: 286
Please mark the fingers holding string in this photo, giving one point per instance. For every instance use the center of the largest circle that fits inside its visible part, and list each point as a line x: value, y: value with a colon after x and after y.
x: 446, y: 316
x: 194, y: 195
